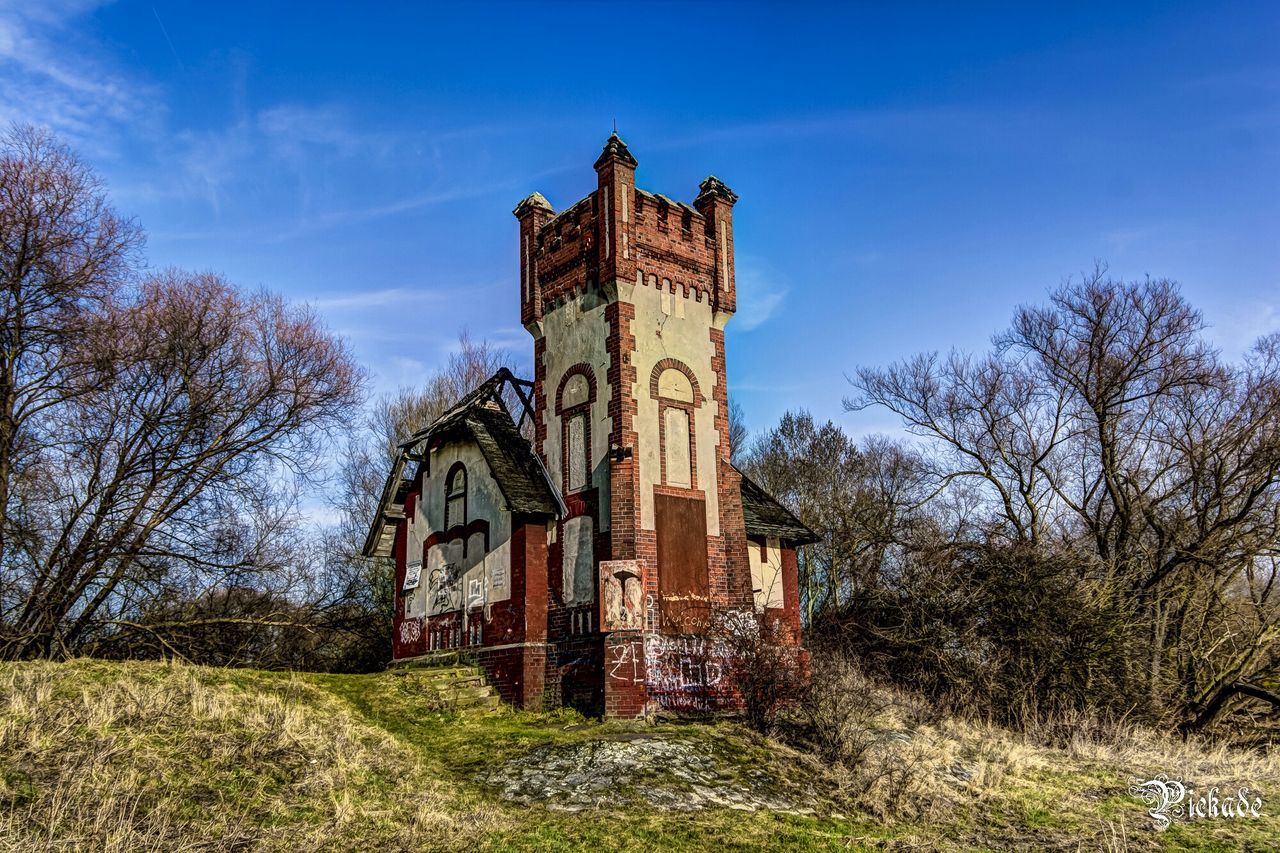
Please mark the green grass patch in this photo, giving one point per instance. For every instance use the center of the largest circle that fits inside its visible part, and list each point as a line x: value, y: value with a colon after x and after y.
x: 118, y: 756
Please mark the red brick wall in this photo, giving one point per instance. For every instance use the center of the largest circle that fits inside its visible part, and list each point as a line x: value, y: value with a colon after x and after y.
x: 731, y: 560
x: 791, y: 590
x: 529, y: 550
x: 625, y: 695
x: 684, y: 257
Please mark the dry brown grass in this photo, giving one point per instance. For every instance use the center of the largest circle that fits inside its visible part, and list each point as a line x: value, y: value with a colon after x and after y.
x: 146, y: 757
x: 897, y: 758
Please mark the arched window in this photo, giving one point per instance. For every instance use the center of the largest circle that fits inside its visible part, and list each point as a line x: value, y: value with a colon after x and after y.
x: 678, y: 398
x: 573, y: 404
x: 455, y: 496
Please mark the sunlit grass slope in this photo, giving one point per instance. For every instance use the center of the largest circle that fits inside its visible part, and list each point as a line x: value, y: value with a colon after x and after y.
x: 151, y: 756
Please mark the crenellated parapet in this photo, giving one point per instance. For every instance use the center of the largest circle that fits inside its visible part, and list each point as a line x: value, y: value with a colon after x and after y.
x: 622, y: 233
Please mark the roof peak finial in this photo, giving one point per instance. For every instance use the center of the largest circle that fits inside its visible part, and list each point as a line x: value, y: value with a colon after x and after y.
x: 615, y: 149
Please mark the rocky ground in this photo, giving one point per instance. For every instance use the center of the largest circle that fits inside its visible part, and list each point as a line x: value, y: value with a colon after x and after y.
x: 634, y: 768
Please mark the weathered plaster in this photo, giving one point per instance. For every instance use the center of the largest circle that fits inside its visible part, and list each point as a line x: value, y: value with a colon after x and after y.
x: 577, y: 333
x: 579, y: 560
x: 684, y: 336
x: 766, y: 574
x: 482, y: 577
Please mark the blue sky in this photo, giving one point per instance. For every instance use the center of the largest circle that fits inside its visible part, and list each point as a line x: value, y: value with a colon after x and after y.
x: 907, y: 173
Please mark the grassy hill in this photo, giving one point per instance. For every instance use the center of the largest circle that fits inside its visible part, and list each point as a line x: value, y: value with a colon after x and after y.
x: 150, y: 756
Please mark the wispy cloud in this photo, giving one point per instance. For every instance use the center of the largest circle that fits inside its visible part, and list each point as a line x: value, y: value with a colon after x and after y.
x: 398, y: 296
x: 1237, y: 328
x: 324, y: 219
x: 761, y: 292
x: 980, y: 126
x: 269, y: 174
x: 1120, y: 240
x: 50, y: 77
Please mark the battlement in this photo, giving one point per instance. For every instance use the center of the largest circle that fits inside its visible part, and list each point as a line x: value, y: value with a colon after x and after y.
x: 564, y: 251
x: 621, y: 232
x: 675, y: 249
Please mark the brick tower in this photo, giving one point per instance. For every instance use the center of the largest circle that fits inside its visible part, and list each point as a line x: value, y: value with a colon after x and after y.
x: 626, y: 294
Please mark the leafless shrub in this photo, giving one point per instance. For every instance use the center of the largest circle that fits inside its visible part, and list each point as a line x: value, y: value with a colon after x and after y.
x: 766, y: 666
x: 841, y: 708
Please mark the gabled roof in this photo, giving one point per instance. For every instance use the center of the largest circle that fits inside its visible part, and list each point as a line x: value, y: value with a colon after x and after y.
x: 518, y: 472
x: 764, y: 516
x: 482, y: 417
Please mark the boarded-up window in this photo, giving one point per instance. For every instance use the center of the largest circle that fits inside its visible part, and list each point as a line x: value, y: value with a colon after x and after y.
x: 676, y: 447
x: 577, y: 450
x: 682, y: 562
x: 579, y: 560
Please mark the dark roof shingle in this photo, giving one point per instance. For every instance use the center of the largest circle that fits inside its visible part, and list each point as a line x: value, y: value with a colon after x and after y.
x: 764, y: 516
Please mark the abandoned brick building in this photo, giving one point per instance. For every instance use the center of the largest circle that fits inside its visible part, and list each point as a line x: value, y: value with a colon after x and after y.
x: 586, y: 569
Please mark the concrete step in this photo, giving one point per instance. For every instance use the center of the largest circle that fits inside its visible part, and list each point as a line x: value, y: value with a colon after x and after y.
x: 477, y: 703
x: 466, y: 692
x: 455, y: 683
x: 440, y: 659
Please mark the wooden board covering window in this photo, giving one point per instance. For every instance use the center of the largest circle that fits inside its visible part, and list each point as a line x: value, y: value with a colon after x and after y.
x: 682, y: 562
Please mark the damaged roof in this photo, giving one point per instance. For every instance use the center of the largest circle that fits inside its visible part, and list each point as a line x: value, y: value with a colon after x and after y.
x: 764, y: 516
x: 482, y: 417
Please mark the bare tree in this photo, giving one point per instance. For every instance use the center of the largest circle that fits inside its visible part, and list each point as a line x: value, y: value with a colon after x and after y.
x: 857, y: 499
x: 196, y: 402
x: 150, y: 429
x: 64, y: 253
x: 738, y: 433
x: 1103, y: 424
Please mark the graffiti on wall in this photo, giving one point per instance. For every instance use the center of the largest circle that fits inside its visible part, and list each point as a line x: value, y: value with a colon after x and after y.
x: 624, y: 661
x: 684, y: 663
x: 692, y: 671
x: 445, y: 584
x: 410, y: 631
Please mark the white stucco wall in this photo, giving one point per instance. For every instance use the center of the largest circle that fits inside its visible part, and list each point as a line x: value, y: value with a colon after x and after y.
x: 483, y: 577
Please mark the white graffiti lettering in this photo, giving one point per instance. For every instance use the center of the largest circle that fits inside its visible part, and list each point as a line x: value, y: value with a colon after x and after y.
x: 624, y: 661
x: 411, y: 630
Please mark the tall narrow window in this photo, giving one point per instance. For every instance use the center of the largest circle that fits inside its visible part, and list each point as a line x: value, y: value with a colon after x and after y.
x: 676, y: 446
x: 577, y: 452
x: 455, y: 496
x: 573, y: 405
x: 678, y: 401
